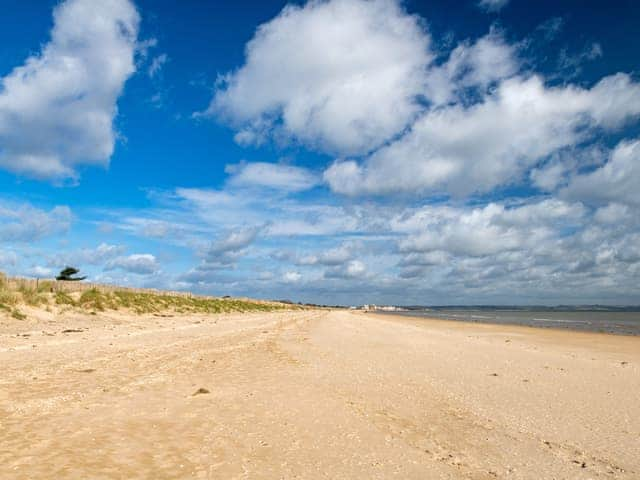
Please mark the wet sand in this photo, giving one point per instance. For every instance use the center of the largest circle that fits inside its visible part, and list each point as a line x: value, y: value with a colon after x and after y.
x: 313, y: 394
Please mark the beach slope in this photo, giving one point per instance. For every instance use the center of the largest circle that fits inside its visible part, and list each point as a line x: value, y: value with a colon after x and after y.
x: 313, y: 394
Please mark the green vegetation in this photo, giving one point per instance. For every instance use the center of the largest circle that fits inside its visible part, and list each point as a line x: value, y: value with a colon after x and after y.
x: 15, y: 292
x: 94, y: 300
x: 63, y: 298
x: 7, y: 297
x: 152, y: 303
x: 18, y: 315
x: 32, y: 296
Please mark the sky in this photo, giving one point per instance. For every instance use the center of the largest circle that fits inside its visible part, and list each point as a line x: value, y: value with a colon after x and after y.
x: 336, y: 151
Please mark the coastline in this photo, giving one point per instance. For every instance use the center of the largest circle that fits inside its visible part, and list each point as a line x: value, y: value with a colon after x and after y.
x: 608, y: 323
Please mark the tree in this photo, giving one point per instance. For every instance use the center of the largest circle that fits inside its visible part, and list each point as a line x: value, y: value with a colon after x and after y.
x: 68, y: 273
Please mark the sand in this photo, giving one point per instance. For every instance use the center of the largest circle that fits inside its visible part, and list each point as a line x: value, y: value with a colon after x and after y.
x: 314, y: 394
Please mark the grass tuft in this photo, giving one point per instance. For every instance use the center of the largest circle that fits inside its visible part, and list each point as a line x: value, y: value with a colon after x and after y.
x: 18, y: 315
x: 96, y: 300
x: 32, y: 296
x: 63, y: 298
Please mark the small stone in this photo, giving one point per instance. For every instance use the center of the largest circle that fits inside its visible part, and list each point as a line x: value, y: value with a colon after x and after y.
x: 200, y: 391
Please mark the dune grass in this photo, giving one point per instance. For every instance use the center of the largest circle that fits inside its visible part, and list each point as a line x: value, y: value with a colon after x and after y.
x: 141, y: 303
x: 15, y: 293
x: 63, y: 298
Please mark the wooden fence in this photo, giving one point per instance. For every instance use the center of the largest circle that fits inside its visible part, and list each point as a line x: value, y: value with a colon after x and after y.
x: 12, y: 283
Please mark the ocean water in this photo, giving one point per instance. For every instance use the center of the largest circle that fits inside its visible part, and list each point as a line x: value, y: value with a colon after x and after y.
x: 616, y: 322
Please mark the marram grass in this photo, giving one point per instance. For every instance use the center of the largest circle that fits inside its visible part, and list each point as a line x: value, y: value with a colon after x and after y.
x: 16, y: 293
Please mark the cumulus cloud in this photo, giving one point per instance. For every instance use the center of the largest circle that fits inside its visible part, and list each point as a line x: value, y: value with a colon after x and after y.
x: 615, y: 181
x: 26, y: 223
x: 351, y: 269
x: 229, y: 248
x: 139, y: 263
x: 222, y: 254
x: 287, y: 178
x: 342, y: 76
x: 477, y: 65
x: 57, y: 109
x: 484, y: 230
x: 462, y: 150
x: 543, y: 249
x: 87, y: 256
x: 613, y: 213
x: 331, y: 257
x: 358, y: 80
x: 291, y: 277
x: 38, y: 271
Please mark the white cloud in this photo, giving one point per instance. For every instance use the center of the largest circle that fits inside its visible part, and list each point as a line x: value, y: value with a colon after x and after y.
x: 462, y: 150
x: 286, y: 178
x: 226, y: 250
x: 157, y: 63
x: 618, y: 180
x: 57, y: 110
x: 483, y: 231
x: 539, y: 249
x: 340, y: 75
x: 351, y: 269
x: 477, y: 65
x: 87, y: 256
x: 291, y: 277
x: 612, y: 214
x: 38, y: 271
x: 318, y: 74
x: 140, y: 263
x: 231, y: 209
x: 492, y: 5
x: 223, y: 254
x: 331, y: 257
x: 25, y: 223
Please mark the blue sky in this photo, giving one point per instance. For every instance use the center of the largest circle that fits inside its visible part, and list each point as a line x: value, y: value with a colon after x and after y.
x: 341, y: 151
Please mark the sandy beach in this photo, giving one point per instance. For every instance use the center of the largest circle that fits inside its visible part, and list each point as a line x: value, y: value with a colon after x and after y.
x: 313, y: 394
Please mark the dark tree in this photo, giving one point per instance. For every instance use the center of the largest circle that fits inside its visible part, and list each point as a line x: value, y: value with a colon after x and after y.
x: 68, y: 273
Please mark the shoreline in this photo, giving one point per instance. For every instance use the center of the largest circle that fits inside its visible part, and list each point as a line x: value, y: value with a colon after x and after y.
x: 560, y: 337
x: 539, y: 326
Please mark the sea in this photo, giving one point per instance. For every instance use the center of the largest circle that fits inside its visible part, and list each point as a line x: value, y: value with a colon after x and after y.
x: 619, y: 322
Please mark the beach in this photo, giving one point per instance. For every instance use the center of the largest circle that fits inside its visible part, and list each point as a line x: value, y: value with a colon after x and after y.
x: 333, y: 394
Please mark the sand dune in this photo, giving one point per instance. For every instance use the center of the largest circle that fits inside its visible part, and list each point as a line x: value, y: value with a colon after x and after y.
x: 313, y: 394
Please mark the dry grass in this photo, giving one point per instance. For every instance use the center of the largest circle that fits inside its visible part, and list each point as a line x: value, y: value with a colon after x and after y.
x: 92, y: 298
